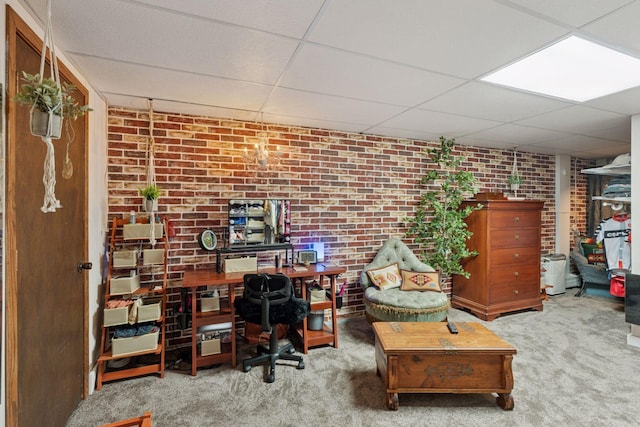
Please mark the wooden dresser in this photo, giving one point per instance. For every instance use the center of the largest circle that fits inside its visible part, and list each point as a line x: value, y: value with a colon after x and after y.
x: 505, y: 275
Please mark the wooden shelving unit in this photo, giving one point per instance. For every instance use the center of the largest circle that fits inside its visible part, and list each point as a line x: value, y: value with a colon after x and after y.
x: 139, y: 267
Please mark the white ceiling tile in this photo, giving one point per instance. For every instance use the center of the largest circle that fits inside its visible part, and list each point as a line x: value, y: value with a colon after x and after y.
x: 313, y: 123
x: 309, y: 105
x: 465, y: 38
x: 576, y: 119
x: 203, y: 46
x: 149, y: 82
x: 518, y: 136
x: 573, y: 12
x: 330, y: 71
x: 432, y: 122
x: 287, y: 17
x: 486, y: 101
x: 626, y: 102
x: 619, y: 29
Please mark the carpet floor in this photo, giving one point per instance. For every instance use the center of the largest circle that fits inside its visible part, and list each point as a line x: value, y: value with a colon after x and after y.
x: 573, y: 368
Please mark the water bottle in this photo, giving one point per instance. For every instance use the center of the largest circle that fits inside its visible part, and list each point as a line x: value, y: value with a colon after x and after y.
x: 132, y: 217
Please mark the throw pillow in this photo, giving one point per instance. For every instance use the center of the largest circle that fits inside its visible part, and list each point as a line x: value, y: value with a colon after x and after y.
x: 386, y: 277
x: 414, y: 281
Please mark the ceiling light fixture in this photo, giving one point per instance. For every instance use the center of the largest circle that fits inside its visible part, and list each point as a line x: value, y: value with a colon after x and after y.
x: 261, y: 157
x: 574, y: 69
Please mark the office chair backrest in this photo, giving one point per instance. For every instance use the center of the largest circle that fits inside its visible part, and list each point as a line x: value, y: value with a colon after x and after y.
x: 267, y: 290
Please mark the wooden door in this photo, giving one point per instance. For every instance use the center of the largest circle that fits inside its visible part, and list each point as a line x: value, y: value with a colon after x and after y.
x: 46, y: 295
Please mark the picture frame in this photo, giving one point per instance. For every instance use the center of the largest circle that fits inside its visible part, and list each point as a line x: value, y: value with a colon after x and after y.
x: 307, y: 256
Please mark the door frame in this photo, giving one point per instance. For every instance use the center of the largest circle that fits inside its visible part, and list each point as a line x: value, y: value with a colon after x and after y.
x: 15, y: 26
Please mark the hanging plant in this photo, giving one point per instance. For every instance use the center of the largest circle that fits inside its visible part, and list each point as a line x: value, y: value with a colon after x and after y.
x: 49, y: 102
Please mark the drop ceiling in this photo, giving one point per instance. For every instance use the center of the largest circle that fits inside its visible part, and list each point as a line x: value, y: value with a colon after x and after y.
x: 401, y: 68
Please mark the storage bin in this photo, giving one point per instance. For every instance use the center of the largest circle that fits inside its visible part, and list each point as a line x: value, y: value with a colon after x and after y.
x: 209, y: 347
x: 123, y: 346
x: 209, y: 303
x: 141, y: 231
x: 315, y: 320
x: 124, y: 285
x: 233, y: 265
x: 125, y: 258
x: 152, y: 256
x: 150, y: 310
x: 116, y: 316
x: 315, y: 295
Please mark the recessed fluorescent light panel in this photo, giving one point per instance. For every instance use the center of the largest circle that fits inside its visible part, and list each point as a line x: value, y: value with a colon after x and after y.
x: 574, y: 69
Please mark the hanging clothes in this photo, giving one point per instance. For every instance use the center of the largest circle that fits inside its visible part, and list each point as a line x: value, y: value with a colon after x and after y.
x: 615, y: 233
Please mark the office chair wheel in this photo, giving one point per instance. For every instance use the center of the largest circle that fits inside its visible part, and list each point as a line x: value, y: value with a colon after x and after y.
x: 291, y: 351
x: 246, y: 368
x: 300, y: 365
x: 270, y: 378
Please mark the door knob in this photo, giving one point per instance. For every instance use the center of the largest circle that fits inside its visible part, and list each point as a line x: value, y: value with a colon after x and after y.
x: 84, y: 266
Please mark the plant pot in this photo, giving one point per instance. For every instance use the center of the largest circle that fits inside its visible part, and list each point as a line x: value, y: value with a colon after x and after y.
x: 515, y: 187
x: 151, y: 205
x: 47, y: 125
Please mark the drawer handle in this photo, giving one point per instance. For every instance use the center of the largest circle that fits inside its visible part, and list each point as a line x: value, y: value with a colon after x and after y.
x: 517, y: 237
x: 516, y: 219
x: 515, y: 273
x: 516, y: 256
x: 515, y: 292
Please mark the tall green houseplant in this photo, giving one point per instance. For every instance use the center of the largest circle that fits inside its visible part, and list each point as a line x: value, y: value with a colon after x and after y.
x: 438, y: 223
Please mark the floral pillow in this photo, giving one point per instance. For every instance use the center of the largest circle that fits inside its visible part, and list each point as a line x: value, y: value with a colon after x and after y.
x: 387, y: 277
x: 414, y: 281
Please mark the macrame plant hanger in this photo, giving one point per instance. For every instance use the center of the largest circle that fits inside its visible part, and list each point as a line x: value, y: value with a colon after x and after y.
x: 151, y: 172
x: 49, y: 177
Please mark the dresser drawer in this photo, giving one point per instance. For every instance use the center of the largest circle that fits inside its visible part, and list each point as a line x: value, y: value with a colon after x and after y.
x: 513, y: 219
x: 508, y: 292
x: 514, y: 256
x: 515, y: 237
x: 515, y: 273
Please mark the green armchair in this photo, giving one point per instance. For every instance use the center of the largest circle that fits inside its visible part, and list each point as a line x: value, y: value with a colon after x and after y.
x: 396, y: 305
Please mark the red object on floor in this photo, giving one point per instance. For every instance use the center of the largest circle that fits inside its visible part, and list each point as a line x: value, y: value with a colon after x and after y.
x: 616, y: 286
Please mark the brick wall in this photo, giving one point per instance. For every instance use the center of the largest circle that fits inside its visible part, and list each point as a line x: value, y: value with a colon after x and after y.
x: 348, y: 190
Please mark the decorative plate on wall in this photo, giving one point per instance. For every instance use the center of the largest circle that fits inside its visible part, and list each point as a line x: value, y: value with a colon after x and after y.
x: 208, y: 240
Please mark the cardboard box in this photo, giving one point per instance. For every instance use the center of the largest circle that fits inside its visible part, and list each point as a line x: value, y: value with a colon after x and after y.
x: 124, y: 285
x: 233, y: 265
x: 141, y: 231
x: 150, y: 310
x: 209, y: 347
x: 152, y: 256
x: 123, y: 346
x: 125, y: 258
x: 116, y: 316
x: 209, y: 303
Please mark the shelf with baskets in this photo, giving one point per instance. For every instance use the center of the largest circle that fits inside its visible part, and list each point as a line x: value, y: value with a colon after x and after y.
x: 134, y: 302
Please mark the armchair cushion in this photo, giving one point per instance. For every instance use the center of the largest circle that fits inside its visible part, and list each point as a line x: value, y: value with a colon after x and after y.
x: 387, y: 277
x: 416, y: 281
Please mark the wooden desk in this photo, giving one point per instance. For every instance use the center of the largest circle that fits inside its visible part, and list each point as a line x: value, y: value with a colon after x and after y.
x: 210, y: 277
x: 423, y: 357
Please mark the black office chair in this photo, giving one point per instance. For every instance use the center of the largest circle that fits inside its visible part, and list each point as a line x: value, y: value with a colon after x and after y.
x: 268, y: 300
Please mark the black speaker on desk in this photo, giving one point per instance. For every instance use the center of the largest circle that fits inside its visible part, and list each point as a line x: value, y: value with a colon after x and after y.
x: 632, y: 298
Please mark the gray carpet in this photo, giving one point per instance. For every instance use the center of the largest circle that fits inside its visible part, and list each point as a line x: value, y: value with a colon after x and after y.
x: 573, y: 368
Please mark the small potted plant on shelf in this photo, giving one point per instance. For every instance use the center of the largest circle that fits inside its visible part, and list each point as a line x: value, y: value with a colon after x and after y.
x: 50, y: 102
x: 515, y: 181
x: 150, y: 193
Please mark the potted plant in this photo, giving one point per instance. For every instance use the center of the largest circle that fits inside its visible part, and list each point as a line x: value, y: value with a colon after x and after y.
x: 515, y: 181
x: 49, y: 102
x: 438, y: 222
x: 150, y: 193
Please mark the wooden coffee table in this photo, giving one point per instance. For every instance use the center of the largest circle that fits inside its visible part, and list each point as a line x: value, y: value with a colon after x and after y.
x: 424, y: 357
